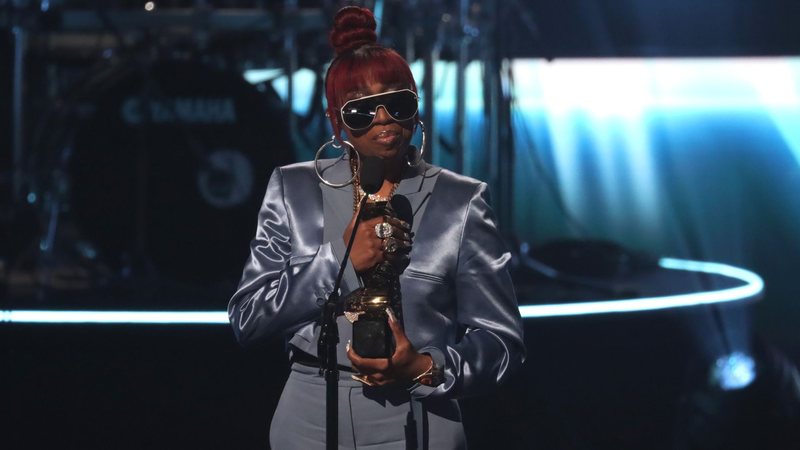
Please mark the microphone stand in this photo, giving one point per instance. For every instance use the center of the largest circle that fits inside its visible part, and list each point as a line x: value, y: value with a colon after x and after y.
x: 326, y: 347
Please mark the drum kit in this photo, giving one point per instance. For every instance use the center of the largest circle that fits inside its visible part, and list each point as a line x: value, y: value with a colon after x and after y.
x: 146, y: 169
x: 140, y: 154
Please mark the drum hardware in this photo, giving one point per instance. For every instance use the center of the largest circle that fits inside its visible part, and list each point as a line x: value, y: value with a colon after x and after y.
x: 172, y: 192
x: 161, y: 174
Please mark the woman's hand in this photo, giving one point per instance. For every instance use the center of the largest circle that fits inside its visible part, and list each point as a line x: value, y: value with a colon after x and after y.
x: 368, y: 249
x: 404, y: 365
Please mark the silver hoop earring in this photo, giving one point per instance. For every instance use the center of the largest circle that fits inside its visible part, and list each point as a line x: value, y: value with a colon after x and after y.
x: 418, y: 160
x: 343, y: 145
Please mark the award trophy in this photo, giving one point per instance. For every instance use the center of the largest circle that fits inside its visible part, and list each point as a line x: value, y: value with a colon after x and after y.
x: 366, y: 306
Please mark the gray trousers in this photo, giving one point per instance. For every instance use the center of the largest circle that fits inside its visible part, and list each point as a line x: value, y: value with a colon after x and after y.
x: 369, y: 418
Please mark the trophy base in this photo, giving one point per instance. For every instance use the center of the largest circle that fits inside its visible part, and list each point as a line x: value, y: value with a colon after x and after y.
x: 372, y: 337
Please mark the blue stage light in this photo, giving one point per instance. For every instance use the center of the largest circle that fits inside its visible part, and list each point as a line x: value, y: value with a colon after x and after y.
x: 734, y: 371
x: 752, y: 289
x: 115, y: 317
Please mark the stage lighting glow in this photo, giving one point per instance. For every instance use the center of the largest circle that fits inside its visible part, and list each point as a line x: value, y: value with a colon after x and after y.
x: 378, y: 12
x: 621, y: 87
x: 115, y: 317
x: 734, y: 371
x: 752, y: 289
x: 604, y: 129
x: 255, y: 76
x: 303, y: 87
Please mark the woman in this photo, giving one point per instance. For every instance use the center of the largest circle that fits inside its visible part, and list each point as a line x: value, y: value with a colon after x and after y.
x: 461, y: 331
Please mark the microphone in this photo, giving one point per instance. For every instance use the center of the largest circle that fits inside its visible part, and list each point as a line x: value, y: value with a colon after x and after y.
x: 371, y: 174
x: 402, y: 209
x: 371, y: 178
x: 372, y: 337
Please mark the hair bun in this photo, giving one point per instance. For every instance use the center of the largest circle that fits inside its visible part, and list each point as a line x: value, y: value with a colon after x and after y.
x: 353, y: 27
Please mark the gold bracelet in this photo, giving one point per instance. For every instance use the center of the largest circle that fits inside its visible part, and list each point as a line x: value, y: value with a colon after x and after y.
x: 431, y: 377
x: 428, y: 371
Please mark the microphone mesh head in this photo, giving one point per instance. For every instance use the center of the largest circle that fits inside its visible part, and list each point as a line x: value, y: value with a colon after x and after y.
x: 371, y: 175
x: 402, y: 208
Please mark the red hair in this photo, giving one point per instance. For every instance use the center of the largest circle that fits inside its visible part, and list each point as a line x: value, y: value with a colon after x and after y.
x: 359, y: 60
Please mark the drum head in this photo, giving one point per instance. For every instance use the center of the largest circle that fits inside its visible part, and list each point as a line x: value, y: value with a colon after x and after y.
x: 171, y: 166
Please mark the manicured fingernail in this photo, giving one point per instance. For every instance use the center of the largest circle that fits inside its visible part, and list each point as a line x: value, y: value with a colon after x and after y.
x: 390, y: 313
x: 347, y: 346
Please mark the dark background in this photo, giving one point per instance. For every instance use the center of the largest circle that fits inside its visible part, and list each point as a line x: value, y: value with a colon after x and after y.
x: 611, y: 381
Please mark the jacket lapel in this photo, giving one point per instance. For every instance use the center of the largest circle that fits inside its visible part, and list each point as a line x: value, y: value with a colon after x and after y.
x: 416, y: 186
x: 337, y: 202
x: 337, y: 208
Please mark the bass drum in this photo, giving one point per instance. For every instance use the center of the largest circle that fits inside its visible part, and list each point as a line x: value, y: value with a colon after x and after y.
x: 170, y: 165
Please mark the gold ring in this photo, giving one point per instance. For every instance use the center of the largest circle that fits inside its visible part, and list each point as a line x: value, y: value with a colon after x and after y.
x: 363, y: 378
x: 390, y: 245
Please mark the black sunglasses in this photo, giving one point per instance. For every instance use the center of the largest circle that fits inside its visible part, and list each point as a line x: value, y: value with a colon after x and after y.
x: 359, y: 113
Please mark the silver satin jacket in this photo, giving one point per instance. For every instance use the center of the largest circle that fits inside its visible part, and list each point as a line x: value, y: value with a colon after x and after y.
x: 458, y: 300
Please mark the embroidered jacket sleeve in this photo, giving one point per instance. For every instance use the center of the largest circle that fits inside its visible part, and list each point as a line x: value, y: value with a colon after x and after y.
x: 278, y: 290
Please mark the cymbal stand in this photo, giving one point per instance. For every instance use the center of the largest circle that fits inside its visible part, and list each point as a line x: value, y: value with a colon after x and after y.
x: 20, y: 35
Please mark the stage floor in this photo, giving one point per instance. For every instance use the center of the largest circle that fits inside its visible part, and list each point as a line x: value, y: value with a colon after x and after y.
x: 600, y: 382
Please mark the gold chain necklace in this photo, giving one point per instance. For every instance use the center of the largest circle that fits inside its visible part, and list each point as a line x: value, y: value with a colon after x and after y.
x: 359, y: 193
